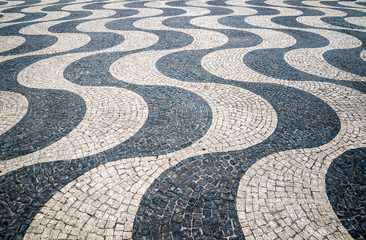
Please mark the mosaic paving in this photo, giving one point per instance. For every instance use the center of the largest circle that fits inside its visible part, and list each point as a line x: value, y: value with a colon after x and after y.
x: 183, y: 119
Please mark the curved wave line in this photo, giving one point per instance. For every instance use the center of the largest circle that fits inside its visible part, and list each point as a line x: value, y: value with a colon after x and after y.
x: 302, y: 172
x: 250, y: 114
x: 311, y: 60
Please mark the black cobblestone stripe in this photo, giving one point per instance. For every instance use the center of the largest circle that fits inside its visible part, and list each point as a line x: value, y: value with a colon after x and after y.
x: 346, y: 189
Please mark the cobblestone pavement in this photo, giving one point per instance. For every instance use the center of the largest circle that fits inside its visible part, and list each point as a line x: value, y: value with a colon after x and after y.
x: 182, y: 119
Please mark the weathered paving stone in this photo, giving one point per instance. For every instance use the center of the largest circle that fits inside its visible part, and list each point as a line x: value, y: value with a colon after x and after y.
x: 219, y: 119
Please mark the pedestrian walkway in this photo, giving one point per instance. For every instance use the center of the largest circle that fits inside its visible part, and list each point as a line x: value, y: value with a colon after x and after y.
x: 182, y: 119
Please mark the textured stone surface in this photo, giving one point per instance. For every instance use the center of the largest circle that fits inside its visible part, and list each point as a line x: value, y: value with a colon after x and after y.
x: 219, y: 119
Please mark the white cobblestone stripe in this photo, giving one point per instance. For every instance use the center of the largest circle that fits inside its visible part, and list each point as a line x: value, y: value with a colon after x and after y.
x: 13, y: 107
x: 133, y: 40
x: 316, y: 22
x: 65, y: 41
x: 311, y: 60
x: 11, y: 16
x: 96, y: 13
x: 189, y: 11
x: 10, y: 42
x: 363, y: 55
x: 11, y: 3
x: 266, y: 21
x: 360, y: 21
x: 323, y: 5
x: 70, y: 41
x: 49, y: 15
x: 352, y: 5
x: 229, y: 63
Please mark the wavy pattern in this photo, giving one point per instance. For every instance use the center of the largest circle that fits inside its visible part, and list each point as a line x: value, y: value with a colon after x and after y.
x: 182, y: 119
x: 287, y: 193
x: 134, y: 182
